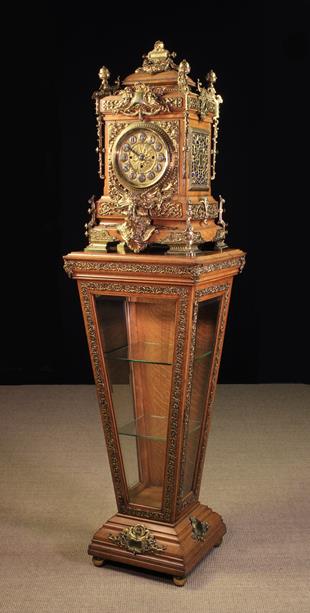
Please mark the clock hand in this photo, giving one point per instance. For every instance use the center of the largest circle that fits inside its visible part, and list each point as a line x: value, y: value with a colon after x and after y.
x: 133, y: 151
x: 141, y: 156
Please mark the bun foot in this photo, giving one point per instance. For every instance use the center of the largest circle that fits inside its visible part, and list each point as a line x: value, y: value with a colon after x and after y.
x: 219, y: 543
x: 179, y: 581
x: 98, y: 561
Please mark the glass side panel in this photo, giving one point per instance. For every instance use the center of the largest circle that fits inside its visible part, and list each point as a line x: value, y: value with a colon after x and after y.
x: 208, y: 311
x: 137, y: 336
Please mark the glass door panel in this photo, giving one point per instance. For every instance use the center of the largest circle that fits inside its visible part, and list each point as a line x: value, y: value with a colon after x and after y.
x: 137, y: 336
x: 208, y: 311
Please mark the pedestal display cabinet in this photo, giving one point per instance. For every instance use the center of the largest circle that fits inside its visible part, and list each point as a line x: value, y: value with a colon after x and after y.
x: 154, y: 284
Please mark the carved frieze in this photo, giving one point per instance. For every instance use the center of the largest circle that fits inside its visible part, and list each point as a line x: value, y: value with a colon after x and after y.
x: 194, y: 271
x: 140, y: 100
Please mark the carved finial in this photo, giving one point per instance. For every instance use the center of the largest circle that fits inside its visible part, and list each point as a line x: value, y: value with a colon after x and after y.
x: 211, y: 78
x: 189, y: 231
x: 92, y: 212
x: 158, y: 60
x: 183, y: 70
x: 199, y: 85
x: 104, y: 75
x: 221, y: 232
x: 105, y: 88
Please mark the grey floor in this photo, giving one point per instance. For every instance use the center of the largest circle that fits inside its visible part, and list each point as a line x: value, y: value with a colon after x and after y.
x: 57, y: 489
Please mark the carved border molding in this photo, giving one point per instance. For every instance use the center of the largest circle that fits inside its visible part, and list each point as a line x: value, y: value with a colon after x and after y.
x: 224, y: 290
x: 192, y: 271
x: 214, y: 375
x: 89, y: 288
x: 100, y: 385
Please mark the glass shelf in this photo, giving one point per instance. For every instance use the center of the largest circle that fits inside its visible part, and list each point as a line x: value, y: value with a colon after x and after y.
x: 152, y: 427
x: 203, y: 355
x: 147, y: 353
x: 138, y: 336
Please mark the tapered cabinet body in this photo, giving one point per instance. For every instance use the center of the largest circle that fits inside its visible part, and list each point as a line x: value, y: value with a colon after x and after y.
x: 155, y: 326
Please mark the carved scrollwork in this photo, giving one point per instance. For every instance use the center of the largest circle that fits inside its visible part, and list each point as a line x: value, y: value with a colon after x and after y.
x: 169, y: 208
x: 106, y: 206
x: 100, y: 234
x: 204, y: 210
x: 200, y: 162
x: 193, y: 102
x: 192, y: 271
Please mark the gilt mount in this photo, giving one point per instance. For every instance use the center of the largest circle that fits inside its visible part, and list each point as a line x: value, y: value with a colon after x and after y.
x: 137, y: 539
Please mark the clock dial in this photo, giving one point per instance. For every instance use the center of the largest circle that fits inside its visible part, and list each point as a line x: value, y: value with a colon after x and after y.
x: 141, y: 156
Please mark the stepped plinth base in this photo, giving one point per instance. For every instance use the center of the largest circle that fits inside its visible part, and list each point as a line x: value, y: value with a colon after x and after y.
x: 174, y: 549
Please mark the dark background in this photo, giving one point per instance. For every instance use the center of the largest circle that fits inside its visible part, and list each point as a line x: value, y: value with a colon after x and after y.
x: 261, y: 56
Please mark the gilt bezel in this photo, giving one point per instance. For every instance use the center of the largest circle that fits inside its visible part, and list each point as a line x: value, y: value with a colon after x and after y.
x: 115, y: 155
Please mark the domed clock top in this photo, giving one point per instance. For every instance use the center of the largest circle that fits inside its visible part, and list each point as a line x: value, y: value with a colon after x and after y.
x: 157, y: 142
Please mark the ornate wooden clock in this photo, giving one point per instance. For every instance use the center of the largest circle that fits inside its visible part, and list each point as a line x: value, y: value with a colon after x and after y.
x: 155, y: 317
x: 157, y: 143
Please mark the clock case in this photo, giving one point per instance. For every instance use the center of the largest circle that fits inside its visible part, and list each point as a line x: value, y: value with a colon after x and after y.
x: 179, y: 211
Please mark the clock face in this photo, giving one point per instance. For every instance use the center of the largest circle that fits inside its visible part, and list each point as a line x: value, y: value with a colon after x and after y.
x: 141, y: 156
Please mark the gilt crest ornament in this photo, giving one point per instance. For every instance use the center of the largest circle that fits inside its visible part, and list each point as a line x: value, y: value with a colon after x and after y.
x: 158, y: 60
x: 139, y: 100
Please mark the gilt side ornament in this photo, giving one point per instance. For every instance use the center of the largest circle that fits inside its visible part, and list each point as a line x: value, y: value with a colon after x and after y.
x: 137, y: 228
x: 137, y: 539
x: 157, y: 144
x: 199, y: 529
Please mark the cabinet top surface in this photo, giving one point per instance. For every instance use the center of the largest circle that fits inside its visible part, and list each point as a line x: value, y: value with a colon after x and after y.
x: 164, y: 259
x: 80, y: 264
